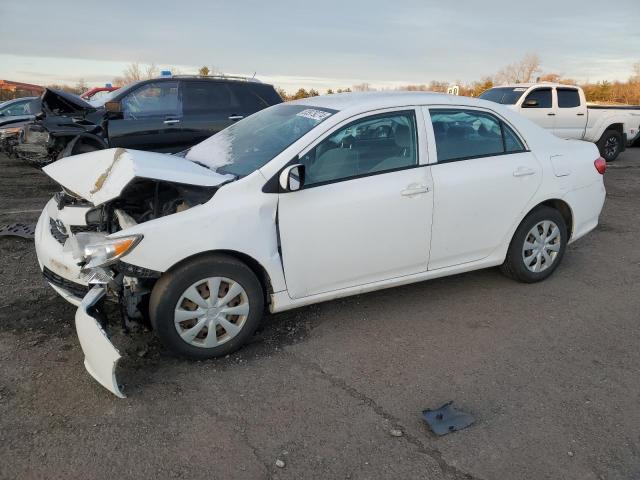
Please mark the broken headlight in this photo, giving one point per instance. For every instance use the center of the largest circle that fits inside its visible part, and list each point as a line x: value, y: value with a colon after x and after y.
x: 10, y: 132
x: 108, y: 250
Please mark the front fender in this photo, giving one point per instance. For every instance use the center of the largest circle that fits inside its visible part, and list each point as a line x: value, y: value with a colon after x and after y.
x: 239, y: 217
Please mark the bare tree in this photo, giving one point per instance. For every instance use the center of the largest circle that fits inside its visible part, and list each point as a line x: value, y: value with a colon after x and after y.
x: 135, y: 72
x: 81, y: 86
x: 520, y: 72
x: 362, y: 87
x: 151, y: 71
x: 635, y: 78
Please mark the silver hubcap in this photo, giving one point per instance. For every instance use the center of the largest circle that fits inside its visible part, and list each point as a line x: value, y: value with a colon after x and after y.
x: 211, y: 312
x: 541, y: 246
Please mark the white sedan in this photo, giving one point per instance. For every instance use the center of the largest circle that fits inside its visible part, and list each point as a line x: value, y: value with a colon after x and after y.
x: 304, y: 202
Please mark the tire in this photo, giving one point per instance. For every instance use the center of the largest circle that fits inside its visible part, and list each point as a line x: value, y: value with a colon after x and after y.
x: 516, y: 264
x: 198, y: 277
x: 610, y: 145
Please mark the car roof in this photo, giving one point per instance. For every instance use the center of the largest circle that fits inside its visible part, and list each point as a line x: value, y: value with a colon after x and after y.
x: 363, y: 101
x: 538, y: 84
x: 14, y: 100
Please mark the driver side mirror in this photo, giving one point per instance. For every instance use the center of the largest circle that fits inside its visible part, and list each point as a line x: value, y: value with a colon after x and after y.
x: 113, y: 108
x: 292, y: 178
x: 530, y: 103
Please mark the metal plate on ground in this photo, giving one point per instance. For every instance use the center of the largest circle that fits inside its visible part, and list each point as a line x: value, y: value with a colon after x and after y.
x: 446, y: 419
x: 23, y: 230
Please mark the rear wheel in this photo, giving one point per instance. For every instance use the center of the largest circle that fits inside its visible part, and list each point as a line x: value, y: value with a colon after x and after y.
x: 208, y: 307
x: 537, y: 247
x: 610, y: 145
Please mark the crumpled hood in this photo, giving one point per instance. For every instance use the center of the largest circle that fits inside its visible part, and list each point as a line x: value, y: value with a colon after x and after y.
x: 102, y: 175
x: 62, y: 102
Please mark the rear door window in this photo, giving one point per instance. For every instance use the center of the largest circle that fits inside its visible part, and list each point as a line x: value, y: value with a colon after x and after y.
x: 209, y: 96
x: 568, y: 97
x: 465, y: 134
x: 539, y: 98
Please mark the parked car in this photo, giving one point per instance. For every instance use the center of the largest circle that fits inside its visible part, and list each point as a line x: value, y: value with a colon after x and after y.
x: 97, y: 94
x: 14, y: 114
x: 304, y: 202
x: 19, y: 107
x: 563, y: 110
x: 167, y: 114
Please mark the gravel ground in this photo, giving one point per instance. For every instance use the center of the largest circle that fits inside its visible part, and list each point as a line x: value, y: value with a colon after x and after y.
x: 550, y: 372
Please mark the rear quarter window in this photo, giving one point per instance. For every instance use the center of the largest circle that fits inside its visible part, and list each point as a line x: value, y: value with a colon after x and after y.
x: 255, y: 96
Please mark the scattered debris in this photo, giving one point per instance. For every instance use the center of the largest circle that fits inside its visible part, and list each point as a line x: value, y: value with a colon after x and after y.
x: 446, y: 419
x: 279, y: 463
x: 24, y: 230
x: 395, y: 432
x: 570, y: 453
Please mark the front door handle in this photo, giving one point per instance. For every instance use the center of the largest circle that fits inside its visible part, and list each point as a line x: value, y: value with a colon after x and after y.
x: 235, y: 118
x: 551, y: 114
x: 414, y: 190
x: 171, y: 121
x: 523, y: 172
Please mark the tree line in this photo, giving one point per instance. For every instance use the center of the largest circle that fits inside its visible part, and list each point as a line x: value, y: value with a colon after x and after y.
x: 526, y: 70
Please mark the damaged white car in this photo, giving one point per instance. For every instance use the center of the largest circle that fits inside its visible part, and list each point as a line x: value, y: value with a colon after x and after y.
x: 305, y: 202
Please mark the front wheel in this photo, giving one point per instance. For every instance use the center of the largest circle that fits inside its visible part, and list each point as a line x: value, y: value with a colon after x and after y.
x: 610, y: 145
x: 537, y: 247
x: 208, y: 307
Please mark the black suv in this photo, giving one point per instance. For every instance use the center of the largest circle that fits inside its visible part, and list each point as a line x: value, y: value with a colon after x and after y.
x: 167, y: 114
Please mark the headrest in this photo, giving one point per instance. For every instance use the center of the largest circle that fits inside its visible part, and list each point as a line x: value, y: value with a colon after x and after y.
x: 403, y: 136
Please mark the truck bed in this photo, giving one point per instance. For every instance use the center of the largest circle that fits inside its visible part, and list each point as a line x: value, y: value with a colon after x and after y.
x: 613, y: 107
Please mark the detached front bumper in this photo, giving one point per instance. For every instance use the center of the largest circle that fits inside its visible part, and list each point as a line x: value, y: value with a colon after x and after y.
x: 100, y: 356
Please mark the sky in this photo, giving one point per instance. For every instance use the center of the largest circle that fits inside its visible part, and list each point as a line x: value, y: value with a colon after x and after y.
x: 327, y: 44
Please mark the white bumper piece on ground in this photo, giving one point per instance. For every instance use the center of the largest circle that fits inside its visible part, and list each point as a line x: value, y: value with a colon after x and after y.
x: 100, y: 356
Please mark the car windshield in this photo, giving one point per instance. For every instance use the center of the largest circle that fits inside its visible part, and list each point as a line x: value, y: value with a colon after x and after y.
x: 504, y: 95
x: 249, y: 144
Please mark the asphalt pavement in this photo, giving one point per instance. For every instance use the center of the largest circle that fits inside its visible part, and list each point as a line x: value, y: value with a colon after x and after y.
x: 550, y: 371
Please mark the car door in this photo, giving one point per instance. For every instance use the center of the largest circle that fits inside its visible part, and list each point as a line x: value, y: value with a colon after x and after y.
x: 538, y: 106
x: 209, y: 106
x: 571, y: 117
x: 364, y: 212
x: 483, y: 180
x: 151, y: 119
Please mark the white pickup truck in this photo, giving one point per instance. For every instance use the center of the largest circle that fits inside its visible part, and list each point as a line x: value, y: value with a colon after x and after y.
x: 563, y: 110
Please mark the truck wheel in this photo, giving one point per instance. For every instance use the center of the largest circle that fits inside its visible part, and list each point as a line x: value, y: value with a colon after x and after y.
x: 537, y: 247
x: 207, y: 307
x: 610, y: 145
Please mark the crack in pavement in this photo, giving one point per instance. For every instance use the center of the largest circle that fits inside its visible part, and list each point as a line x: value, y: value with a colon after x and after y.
x: 447, y: 469
x: 241, y: 431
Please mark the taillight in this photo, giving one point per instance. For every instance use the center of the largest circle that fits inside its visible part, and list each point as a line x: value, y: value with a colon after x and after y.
x: 601, y: 165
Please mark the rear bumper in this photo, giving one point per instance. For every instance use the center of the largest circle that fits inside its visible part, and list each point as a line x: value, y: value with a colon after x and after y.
x: 100, y: 356
x: 586, y: 205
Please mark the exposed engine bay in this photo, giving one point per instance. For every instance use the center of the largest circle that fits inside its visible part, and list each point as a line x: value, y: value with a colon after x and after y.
x: 141, y: 201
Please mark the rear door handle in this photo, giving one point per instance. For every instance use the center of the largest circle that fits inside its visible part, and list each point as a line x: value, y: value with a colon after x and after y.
x: 523, y: 172
x: 171, y: 121
x: 235, y: 118
x: 414, y: 190
x: 551, y: 114
x: 580, y: 114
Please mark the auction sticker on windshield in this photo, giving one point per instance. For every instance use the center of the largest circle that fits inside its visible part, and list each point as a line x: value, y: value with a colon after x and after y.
x: 314, y: 114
